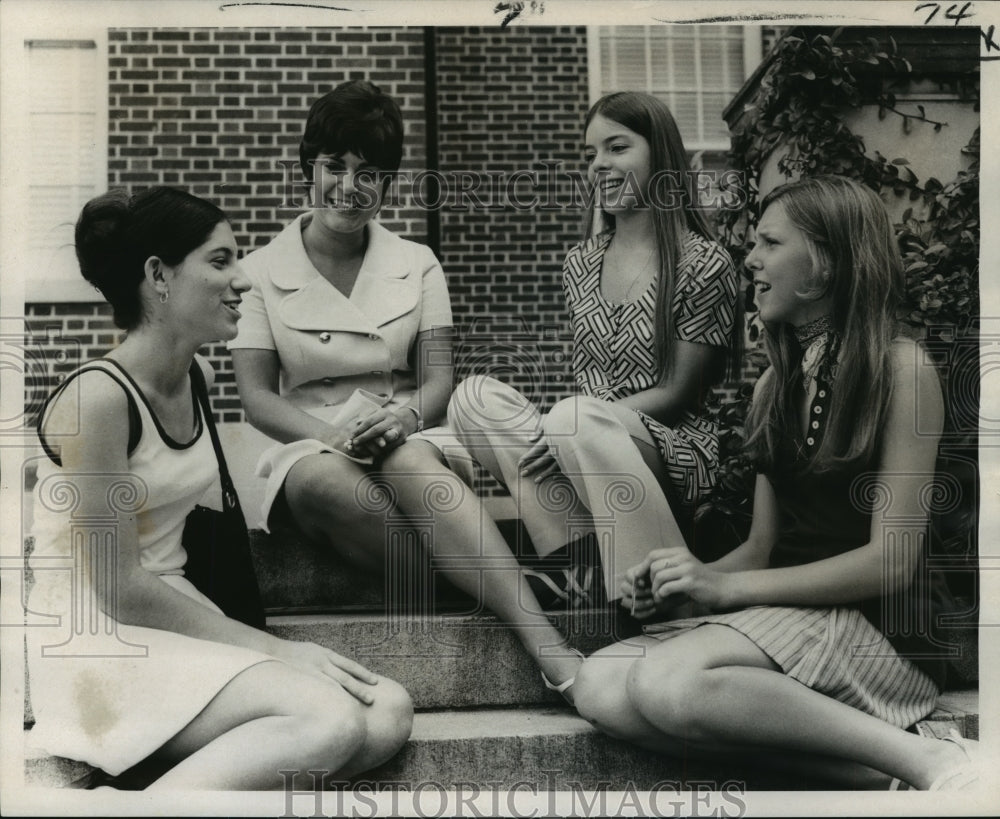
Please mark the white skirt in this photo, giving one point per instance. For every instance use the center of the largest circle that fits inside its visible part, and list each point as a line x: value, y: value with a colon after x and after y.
x: 114, y: 694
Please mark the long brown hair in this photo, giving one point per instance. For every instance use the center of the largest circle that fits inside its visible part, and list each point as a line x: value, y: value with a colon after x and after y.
x: 651, y: 119
x: 857, y: 262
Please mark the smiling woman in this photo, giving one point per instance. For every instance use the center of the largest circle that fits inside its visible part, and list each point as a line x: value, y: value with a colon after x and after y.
x: 208, y: 701
x: 652, y: 302
x: 344, y: 356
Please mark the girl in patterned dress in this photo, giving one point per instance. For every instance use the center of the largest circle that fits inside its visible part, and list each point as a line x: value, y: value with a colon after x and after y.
x: 820, y: 637
x: 166, y: 676
x: 652, y: 300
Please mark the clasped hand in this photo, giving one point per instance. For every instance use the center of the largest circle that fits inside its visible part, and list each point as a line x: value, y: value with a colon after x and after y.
x: 375, y: 435
x: 668, y: 577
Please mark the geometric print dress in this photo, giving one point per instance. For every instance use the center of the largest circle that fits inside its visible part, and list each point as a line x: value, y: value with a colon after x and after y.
x: 613, y: 354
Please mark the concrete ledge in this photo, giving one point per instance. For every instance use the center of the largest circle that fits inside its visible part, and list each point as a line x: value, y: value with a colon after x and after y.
x: 445, y: 661
x: 553, y: 748
x: 44, y: 771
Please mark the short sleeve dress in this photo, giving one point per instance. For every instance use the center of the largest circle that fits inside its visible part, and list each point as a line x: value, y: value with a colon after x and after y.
x: 104, y: 692
x: 614, y: 356
x: 330, y: 346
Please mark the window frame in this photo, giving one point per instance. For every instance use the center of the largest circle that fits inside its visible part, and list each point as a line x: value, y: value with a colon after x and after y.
x: 752, y: 55
x: 66, y: 285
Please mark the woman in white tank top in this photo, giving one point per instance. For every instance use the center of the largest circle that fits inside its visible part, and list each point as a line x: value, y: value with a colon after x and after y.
x: 167, y: 676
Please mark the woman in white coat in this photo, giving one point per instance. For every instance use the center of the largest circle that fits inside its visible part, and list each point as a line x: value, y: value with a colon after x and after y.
x: 344, y: 356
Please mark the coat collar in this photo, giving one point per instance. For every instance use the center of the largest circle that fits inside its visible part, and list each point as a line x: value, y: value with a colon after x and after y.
x: 383, y: 290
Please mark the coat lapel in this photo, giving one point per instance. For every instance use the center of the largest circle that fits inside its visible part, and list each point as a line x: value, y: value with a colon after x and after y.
x: 387, y: 286
x: 381, y: 293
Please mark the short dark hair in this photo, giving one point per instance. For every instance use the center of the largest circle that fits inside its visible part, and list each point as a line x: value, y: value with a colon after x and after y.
x: 355, y: 117
x: 116, y: 234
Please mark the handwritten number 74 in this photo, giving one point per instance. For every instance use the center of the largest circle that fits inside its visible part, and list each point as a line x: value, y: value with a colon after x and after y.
x: 951, y: 13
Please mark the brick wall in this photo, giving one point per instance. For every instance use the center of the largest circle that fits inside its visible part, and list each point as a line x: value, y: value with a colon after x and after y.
x: 510, y: 100
x: 214, y: 111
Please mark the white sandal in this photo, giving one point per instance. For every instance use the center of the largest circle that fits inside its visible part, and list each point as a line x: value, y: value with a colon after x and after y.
x: 965, y: 776
x: 563, y: 688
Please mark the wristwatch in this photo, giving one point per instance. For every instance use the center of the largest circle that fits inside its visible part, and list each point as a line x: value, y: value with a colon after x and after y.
x: 416, y: 412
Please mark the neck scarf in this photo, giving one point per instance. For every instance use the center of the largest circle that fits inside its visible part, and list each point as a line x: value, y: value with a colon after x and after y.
x: 814, y: 339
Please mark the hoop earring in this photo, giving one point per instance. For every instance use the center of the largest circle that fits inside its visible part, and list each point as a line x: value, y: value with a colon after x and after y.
x: 164, y: 296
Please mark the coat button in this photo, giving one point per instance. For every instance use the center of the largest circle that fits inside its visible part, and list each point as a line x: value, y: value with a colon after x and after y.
x: 373, y: 336
x: 324, y: 338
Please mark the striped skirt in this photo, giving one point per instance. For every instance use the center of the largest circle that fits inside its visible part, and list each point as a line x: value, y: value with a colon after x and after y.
x: 835, y: 651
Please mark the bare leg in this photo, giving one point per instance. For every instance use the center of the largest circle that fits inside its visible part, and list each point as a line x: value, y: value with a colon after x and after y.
x: 272, y: 718
x: 719, y: 691
x: 323, y: 494
x: 469, y: 549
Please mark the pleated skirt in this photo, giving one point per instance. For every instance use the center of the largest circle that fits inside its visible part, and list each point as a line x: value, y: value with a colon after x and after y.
x: 835, y: 651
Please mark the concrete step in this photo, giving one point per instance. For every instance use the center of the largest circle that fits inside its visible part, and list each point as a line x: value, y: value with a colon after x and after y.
x: 554, y: 749
x: 551, y: 750
x: 297, y: 575
x: 44, y: 771
x: 450, y: 661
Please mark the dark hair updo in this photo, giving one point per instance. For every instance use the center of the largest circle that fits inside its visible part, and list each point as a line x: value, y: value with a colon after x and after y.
x: 116, y: 234
x: 355, y: 117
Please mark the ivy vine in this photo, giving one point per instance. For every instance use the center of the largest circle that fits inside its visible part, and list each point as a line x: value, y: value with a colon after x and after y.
x: 797, y: 114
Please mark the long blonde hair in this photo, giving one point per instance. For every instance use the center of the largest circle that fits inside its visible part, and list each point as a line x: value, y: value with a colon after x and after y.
x: 849, y: 233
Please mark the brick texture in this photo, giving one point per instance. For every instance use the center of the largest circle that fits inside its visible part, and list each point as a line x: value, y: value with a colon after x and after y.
x: 217, y: 112
x: 512, y: 100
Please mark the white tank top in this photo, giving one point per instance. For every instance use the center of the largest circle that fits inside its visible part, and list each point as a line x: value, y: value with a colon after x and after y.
x: 165, y: 480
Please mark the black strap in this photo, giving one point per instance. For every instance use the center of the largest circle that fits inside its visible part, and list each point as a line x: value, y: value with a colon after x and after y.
x: 134, y: 419
x: 229, y: 496
x: 220, y: 563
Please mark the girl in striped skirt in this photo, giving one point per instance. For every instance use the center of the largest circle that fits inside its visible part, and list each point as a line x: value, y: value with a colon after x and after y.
x: 817, y: 633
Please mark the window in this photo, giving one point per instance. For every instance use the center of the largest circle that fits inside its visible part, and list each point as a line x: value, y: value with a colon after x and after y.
x: 695, y: 69
x: 61, y: 120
